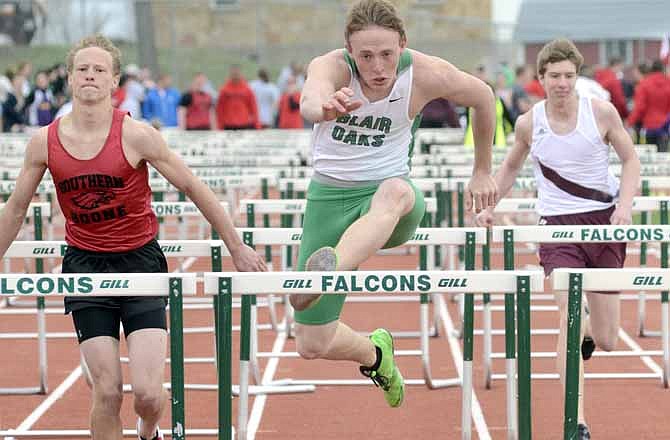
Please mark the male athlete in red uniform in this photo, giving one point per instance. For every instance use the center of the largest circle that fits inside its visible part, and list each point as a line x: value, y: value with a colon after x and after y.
x: 97, y: 157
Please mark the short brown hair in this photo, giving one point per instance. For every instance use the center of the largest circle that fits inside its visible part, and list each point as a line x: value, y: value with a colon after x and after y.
x: 100, y: 41
x: 373, y: 13
x: 556, y: 51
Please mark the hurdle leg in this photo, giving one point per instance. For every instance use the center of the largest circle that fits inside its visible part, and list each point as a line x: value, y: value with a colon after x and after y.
x: 42, y: 346
x: 177, y: 359
x: 253, y: 343
x: 665, y: 322
x: 41, y: 318
x: 431, y: 264
x: 245, y: 339
x: 224, y: 311
x: 468, y: 333
x: 425, y: 335
x: 510, y: 346
x: 641, y: 313
x: 642, y: 297
x: 468, y: 337
x: 288, y: 309
x: 664, y: 302
x: 572, y: 357
x: 487, y: 339
x: 523, y: 335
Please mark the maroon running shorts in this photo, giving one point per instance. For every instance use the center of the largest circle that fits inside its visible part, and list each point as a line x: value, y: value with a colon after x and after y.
x: 581, y: 255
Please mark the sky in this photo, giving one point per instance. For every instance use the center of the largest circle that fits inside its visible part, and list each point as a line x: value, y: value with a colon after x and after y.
x: 505, y: 11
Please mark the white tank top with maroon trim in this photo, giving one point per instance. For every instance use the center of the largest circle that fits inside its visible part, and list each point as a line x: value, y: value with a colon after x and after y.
x: 580, y: 157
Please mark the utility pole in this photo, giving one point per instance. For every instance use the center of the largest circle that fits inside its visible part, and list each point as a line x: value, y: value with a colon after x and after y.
x: 146, y: 41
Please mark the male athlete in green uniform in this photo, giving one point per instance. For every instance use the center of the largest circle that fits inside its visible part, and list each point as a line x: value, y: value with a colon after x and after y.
x: 364, y: 101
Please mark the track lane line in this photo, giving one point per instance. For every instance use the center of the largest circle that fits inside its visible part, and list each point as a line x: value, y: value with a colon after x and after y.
x: 259, y: 401
x: 457, y: 354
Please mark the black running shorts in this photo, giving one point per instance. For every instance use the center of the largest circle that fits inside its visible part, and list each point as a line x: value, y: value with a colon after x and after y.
x: 148, y: 258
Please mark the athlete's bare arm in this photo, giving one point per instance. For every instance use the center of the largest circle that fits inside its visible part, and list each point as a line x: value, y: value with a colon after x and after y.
x: 32, y: 171
x: 512, y: 164
x: 517, y: 155
x: 614, y: 132
x: 325, y: 95
x: 142, y: 142
x: 437, y: 78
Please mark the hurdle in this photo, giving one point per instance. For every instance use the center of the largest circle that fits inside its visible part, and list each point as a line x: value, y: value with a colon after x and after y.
x: 180, y: 210
x: 575, y: 282
x: 173, y: 286
x: 423, y: 237
x: 288, y: 208
x: 563, y: 234
x: 36, y: 211
x: 641, y: 205
x: 227, y: 284
x: 214, y: 249
x: 586, y: 234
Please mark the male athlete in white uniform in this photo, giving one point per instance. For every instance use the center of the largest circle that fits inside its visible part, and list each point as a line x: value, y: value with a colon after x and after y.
x: 568, y: 138
x: 365, y: 100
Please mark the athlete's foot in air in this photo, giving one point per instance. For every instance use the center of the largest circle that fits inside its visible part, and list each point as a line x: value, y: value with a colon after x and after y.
x: 385, y: 373
x: 322, y: 260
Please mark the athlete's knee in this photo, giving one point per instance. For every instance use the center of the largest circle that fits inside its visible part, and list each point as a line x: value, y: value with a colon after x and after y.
x: 148, y: 400
x: 313, y: 341
x: 108, y: 396
x: 398, y: 195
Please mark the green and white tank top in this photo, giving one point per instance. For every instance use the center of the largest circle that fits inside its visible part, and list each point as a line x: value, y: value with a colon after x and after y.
x: 373, y: 142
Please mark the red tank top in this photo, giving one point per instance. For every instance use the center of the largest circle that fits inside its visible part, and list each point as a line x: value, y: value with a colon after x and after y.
x: 106, y: 202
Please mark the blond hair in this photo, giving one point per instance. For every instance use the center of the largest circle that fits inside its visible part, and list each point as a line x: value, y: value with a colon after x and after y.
x: 100, y: 41
x: 373, y: 13
x: 556, y: 51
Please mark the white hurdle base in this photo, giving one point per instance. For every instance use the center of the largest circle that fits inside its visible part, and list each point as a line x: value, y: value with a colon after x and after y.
x: 287, y: 387
x: 10, y: 434
x: 554, y: 376
x: 437, y: 383
x: 22, y: 391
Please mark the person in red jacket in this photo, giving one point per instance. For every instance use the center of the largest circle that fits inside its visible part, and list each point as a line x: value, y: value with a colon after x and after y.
x: 610, y: 79
x: 289, y: 106
x: 535, y: 90
x: 652, y: 106
x: 236, y: 107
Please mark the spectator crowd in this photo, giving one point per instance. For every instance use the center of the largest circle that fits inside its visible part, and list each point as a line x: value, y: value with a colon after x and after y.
x: 641, y: 95
x: 35, y: 100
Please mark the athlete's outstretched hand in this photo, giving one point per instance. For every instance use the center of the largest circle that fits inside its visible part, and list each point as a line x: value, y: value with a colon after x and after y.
x: 481, y: 192
x: 485, y: 218
x: 340, y: 103
x: 246, y: 259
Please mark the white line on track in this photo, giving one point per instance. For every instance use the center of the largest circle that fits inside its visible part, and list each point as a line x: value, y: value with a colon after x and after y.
x: 648, y: 361
x: 268, y: 375
x: 49, y: 401
x: 454, y: 345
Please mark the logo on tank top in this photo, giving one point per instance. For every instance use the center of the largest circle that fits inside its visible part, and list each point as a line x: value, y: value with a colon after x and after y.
x: 92, y: 195
x: 353, y: 137
x: 93, y: 199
